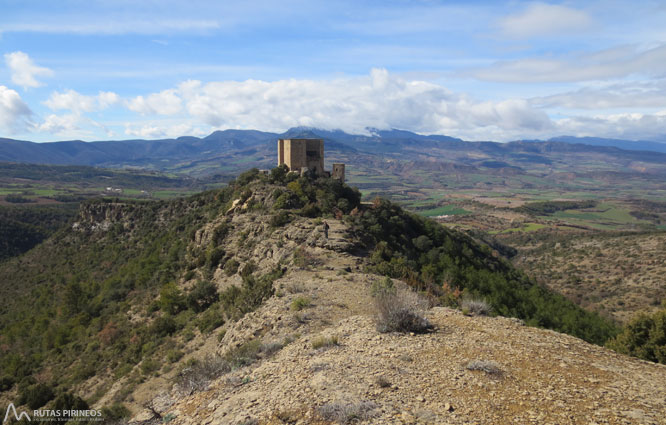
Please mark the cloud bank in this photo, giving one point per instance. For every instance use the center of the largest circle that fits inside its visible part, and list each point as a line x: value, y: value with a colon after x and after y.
x: 378, y: 100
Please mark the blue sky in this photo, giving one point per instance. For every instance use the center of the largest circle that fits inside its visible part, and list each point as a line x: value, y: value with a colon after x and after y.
x: 479, y: 70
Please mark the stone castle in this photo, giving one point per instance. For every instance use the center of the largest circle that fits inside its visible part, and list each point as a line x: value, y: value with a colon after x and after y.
x: 302, y: 155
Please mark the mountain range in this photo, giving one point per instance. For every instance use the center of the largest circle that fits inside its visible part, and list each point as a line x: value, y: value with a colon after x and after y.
x: 229, y: 151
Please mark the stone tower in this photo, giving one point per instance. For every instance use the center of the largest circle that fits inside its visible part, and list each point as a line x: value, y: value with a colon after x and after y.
x: 302, y: 153
x: 338, y: 172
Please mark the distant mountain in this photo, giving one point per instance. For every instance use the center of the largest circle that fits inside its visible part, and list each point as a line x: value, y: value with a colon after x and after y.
x: 639, y: 145
x: 230, y: 151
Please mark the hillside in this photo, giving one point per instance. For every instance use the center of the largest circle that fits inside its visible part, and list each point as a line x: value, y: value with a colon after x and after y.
x: 147, y: 303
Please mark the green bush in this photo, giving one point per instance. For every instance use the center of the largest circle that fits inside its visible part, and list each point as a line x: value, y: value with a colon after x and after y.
x: 299, y: 303
x: 115, y: 412
x: 69, y: 401
x: 280, y: 219
x: 171, y: 299
x: 202, y: 296
x: 163, y: 326
x: 149, y: 366
x: 36, y: 396
x: 644, y: 337
x: 6, y: 383
x: 382, y: 287
x: 174, y: 355
x: 214, y: 256
x: 210, y: 320
x: 231, y: 267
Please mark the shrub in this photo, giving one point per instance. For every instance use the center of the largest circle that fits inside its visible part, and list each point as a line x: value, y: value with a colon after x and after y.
x: 324, y: 342
x: 280, y: 219
x: 248, y: 269
x: 303, y: 259
x: 202, y: 296
x: 163, y: 326
x: 382, y: 287
x: 171, y: 299
x: 6, y: 383
x: 644, y: 337
x: 279, y: 173
x: 382, y: 382
x: 231, y: 266
x: 174, y: 355
x: 299, y: 303
x: 487, y: 366
x: 475, y: 307
x: 245, y: 354
x: 149, y: 366
x: 35, y: 396
x: 401, y: 311
x: 69, y: 401
x: 198, y: 374
x: 347, y: 413
x: 210, y: 320
x: 115, y: 412
x: 214, y: 256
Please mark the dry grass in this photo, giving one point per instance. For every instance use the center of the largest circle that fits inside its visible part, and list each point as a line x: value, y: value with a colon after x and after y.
x: 347, y: 413
x: 488, y: 366
x: 401, y: 311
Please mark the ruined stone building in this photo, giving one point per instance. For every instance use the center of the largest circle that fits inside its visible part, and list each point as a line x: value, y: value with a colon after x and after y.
x: 301, y: 155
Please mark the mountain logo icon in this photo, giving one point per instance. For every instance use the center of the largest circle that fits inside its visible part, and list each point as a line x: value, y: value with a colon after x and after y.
x: 17, y: 416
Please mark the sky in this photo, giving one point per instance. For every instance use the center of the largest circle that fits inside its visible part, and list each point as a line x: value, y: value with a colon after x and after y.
x: 478, y: 70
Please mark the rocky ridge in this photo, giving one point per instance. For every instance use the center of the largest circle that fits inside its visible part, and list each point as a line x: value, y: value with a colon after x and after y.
x: 481, y: 370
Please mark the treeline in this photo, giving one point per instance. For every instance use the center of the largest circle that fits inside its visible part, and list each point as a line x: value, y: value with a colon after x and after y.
x: 550, y: 207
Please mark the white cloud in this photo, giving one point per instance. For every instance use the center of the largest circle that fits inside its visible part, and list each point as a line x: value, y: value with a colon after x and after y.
x: 634, y: 94
x: 542, y: 19
x: 379, y: 100
x: 107, y: 98
x: 60, y: 124
x: 166, y: 102
x: 79, y: 103
x: 632, y: 126
x: 160, y: 130
x: 14, y: 113
x: 611, y: 63
x: 24, y: 71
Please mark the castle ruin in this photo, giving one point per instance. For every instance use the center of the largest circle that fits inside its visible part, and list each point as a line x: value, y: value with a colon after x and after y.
x: 302, y: 155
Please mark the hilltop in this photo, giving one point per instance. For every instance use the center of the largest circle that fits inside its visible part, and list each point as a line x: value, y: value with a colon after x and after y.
x: 221, y: 301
